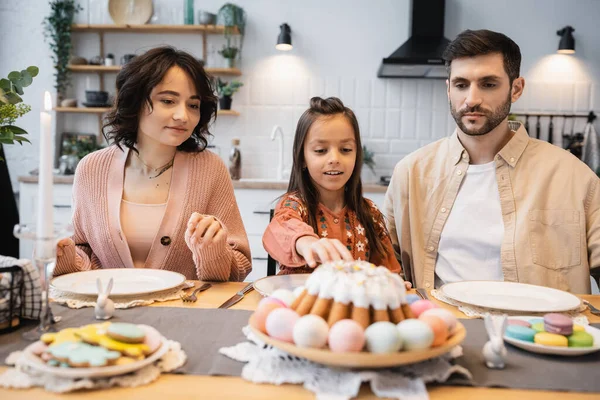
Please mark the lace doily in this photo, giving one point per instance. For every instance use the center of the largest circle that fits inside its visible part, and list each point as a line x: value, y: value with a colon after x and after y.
x: 479, y: 312
x: 266, y: 364
x: 73, y: 300
x: 24, y: 377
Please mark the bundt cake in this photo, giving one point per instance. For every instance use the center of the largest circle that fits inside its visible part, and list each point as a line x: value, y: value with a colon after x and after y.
x: 357, y: 290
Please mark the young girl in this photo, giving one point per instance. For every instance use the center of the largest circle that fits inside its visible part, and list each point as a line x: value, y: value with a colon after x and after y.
x: 155, y: 198
x: 323, y: 216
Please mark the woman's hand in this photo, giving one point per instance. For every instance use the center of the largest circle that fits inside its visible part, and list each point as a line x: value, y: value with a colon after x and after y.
x: 204, y: 231
x: 62, y: 243
x: 407, y: 285
x: 322, y: 250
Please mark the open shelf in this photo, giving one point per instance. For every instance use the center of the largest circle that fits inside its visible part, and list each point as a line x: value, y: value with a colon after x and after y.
x: 102, y: 110
x: 228, y: 112
x: 86, y: 110
x: 103, y: 69
x: 151, y: 28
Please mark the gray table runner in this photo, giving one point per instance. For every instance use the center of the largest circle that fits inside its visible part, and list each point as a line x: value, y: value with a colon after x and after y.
x: 202, y: 332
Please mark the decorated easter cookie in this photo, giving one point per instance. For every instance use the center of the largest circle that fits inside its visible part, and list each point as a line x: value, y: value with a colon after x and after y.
x: 65, y: 335
x: 153, y: 338
x: 127, y: 333
x: 78, y: 354
x: 97, y: 334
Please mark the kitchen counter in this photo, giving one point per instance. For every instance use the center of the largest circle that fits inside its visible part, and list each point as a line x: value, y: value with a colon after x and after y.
x: 265, y: 184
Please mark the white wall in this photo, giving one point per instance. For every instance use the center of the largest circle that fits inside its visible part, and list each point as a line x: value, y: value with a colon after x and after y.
x: 338, y: 45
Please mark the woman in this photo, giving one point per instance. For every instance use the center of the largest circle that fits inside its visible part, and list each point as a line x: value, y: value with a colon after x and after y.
x: 155, y: 198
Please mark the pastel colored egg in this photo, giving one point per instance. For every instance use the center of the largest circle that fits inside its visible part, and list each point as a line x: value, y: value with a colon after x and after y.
x: 538, y: 327
x: 439, y: 328
x: 520, y: 333
x: 271, y: 300
x: 550, y: 339
x: 285, y: 295
x: 421, y: 305
x: 411, y: 298
x: 415, y: 334
x: 280, y: 324
x: 311, y: 331
x: 519, y: 322
x: 578, y: 328
x: 580, y: 339
x: 346, y: 336
x: 446, y: 315
x: 383, y: 337
x: 558, y: 323
x: 259, y: 317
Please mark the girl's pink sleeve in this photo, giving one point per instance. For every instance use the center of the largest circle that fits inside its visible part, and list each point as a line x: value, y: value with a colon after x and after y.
x: 287, y: 226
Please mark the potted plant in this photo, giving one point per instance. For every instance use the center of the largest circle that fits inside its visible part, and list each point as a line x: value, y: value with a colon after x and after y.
x: 57, y: 29
x: 12, y: 106
x: 231, y: 17
x: 229, y: 53
x: 225, y: 90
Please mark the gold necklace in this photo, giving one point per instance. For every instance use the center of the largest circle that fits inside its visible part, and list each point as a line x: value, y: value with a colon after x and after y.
x: 161, y: 170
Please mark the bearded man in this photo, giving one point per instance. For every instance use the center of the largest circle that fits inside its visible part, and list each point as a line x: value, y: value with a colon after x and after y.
x: 489, y: 202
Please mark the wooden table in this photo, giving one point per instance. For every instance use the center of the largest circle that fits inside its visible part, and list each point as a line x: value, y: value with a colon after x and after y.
x: 178, y: 387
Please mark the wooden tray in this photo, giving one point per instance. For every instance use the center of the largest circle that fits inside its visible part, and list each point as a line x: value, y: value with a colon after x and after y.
x: 365, y: 359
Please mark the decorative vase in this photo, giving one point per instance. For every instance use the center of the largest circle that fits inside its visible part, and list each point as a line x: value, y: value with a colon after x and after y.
x: 225, y: 102
x: 230, y: 62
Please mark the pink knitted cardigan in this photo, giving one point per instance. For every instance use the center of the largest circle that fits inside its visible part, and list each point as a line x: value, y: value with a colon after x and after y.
x: 200, y: 183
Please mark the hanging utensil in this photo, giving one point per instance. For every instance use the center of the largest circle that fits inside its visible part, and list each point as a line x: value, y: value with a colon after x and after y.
x: 538, y: 128
x: 551, y: 131
x: 565, y: 138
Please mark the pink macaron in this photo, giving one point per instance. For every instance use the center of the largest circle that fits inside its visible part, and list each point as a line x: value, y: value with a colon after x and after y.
x: 558, y: 323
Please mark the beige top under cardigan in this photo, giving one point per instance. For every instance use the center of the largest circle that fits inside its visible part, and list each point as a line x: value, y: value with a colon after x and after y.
x: 140, y: 223
x: 550, y: 204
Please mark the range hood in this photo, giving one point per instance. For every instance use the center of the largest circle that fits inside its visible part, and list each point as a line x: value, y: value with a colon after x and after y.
x: 421, y: 55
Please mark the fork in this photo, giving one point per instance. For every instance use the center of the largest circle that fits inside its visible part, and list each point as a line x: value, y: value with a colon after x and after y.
x: 593, y: 309
x: 192, y: 297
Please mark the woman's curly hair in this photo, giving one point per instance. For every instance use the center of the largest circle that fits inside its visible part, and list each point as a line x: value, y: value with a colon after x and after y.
x: 134, y: 86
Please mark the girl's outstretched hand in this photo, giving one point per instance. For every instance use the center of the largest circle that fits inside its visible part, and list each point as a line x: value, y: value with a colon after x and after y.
x: 322, y: 250
x: 204, y: 231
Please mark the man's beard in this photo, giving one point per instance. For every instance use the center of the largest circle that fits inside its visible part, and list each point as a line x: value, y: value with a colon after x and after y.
x: 493, y: 119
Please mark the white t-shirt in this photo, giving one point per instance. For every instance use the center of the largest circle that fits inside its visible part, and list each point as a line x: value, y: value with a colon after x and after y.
x: 470, y: 243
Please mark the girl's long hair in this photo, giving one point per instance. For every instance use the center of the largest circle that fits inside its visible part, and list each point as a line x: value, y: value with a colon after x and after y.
x: 302, y: 185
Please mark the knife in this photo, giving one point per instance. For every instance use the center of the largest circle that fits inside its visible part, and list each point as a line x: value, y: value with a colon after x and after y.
x: 423, y: 293
x: 238, y: 296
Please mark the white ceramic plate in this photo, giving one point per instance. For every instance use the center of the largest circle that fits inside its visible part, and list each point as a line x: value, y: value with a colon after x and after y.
x: 97, y: 372
x: 127, y: 281
x: 511, y: 296
x: 557, y: 350
x: 267, y: 285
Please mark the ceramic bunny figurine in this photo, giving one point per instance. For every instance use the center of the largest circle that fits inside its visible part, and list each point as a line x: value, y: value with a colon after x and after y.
x: 105, y: 307
x: 494, y: 351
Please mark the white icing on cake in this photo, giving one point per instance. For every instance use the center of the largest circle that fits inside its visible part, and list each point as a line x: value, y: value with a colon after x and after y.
x: 357, y: 282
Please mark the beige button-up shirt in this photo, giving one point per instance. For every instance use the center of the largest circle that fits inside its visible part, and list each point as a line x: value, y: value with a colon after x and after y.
x: 550, y: 205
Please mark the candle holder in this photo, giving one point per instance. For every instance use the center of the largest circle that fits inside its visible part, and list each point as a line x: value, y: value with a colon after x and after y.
x: 44, y: 256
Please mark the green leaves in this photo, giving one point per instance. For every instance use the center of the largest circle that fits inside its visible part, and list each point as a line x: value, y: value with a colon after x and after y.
x: 11, y: 89
x: 11, y: 104
x: 57, y: 31
x: 228, y: 88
